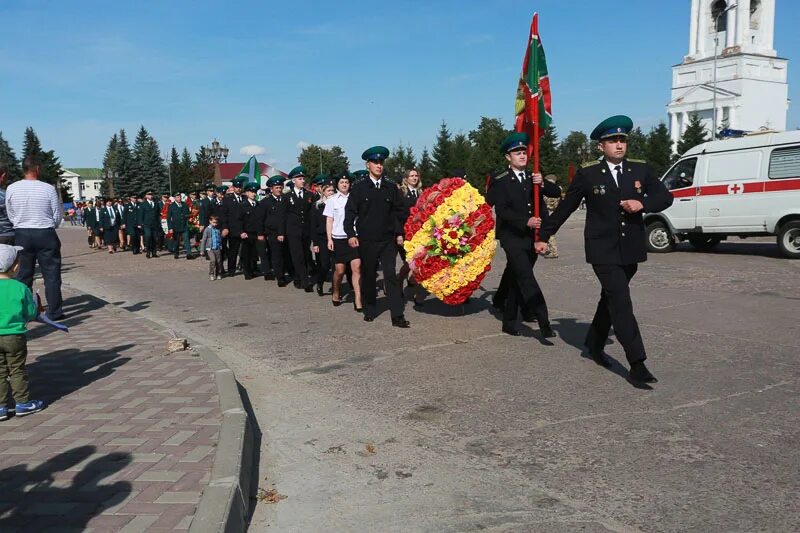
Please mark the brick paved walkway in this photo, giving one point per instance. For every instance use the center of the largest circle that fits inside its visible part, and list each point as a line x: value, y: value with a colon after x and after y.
x: 127, y: 442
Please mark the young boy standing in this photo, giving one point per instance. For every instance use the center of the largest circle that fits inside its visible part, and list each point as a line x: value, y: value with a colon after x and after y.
x: 17, y: 308
x: 211, y: 247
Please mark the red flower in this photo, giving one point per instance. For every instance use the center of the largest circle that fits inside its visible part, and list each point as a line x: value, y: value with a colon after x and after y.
x: 453, y: 234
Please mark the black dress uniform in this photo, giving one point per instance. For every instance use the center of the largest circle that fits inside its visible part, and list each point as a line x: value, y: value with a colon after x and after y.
x: 511, y: 195
x: 231, y: 222
x: 275, y: 226
x: 372, y: 213
x: 298, y: 234
x: 319, y: 238
x: 149, y: 219
x: 132, y: 225
x: 251, y: 218
x: 614, y: 239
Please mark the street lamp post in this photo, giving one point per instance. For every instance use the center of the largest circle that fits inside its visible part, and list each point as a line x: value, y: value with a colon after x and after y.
x: 216, y: 154
x: 714, y: 83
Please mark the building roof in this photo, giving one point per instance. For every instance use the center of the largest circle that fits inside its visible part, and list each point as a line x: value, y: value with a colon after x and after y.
x: 88, y: 173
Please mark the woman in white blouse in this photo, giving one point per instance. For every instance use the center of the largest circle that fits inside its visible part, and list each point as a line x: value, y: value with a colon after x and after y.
x: 343, y: 253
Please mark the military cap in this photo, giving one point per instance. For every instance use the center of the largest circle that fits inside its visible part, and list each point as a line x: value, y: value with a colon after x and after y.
x: 238, y: 182
x: 297, y: 171
x: 514, y: 141
x: 320, y: 179
x: 148, y: 191
x: 360, y: 174
x: 222, y: 188
x: 251, y: 186
x: 209, y: 187
x: 275, y: 180
x: 376, y: 153
x: 612, y: 127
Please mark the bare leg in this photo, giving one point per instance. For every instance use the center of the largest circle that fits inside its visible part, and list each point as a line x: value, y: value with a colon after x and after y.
x: 355, y: 266
x: 338, y: 274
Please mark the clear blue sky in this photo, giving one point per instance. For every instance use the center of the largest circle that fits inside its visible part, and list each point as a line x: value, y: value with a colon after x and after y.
x: 354, y: 73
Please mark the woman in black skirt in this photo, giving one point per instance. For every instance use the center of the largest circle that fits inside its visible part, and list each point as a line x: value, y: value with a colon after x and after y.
x: 319, y: 235
x: 343, y: 254
x: 411, y: 189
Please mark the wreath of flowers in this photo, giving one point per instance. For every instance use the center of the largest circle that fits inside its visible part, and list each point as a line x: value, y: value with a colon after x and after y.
x: 449, y: 240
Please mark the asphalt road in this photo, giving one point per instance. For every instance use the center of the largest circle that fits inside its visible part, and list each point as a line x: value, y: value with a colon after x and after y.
x: 452, y: 426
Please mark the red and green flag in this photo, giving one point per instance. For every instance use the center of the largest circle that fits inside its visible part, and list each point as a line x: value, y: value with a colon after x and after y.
x: 534, y: 110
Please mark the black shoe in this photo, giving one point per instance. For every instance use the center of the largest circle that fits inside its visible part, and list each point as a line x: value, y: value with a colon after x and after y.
x: 248, y: 277
x: 281, y: 283
x: 401, y: 322
x: 62, y: 316
x: 369, y: 317
x: 319, y: 289
x: 511, y: 330
x: 297, y: 285
x: 176, y: 256
x: 547, y: 332
x: 498, y: 305
x: 640, y: 374
x: 148, y: 255
x: 269, y: 276
x: 419, y: 304
x: 309, y: 288
x: 357, y: 309
x: 154, y: 254
x: 189, y: 257
x: 336, y: 303
x: 600, y: 357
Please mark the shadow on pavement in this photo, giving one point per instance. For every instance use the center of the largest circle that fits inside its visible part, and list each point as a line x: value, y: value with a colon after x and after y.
x: 47, y: 497
x: 256, y: 458
x: 76, y: 308
x: 57, y: 374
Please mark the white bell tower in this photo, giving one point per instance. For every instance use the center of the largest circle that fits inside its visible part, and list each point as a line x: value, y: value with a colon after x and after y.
x: 732, y: 64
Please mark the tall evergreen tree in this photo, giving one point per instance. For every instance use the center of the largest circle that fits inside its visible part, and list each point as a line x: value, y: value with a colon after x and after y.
x: 400, y: 159
x: 441, y: 152
x: 109, y: 164
x: 460, y: 152
x: 123, y: 164
x: 637, y: 144
x: 425, y: 168
x: 576, y: 149
x: 550, y: 161
x: 695, y: 134
x: 147, y: 170
x: 9, y: 160
x: 186, y: 168
x: 50, y: 166
x: 181, y: 181
x: 659, y: 149
x: 485, y: 157
x: 203, y: 166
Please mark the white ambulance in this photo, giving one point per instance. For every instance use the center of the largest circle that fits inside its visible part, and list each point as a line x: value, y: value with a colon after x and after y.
x: 744, y: 187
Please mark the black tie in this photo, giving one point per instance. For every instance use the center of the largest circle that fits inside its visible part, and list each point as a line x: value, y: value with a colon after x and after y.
x: 414, y: 193
x: 377, y: 184
x: 618, y: 170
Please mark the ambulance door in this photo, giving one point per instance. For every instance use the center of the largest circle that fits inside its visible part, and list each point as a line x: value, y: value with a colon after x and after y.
x: 680, y: 182
x: 726, y: 202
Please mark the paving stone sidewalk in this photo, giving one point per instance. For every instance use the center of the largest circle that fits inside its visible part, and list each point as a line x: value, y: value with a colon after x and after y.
x: 128, y: 438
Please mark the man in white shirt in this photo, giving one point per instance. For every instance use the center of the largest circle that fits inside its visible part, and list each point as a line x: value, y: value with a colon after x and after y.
x: 35, y: 210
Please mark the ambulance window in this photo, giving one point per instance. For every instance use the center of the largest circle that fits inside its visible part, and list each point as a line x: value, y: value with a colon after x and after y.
x: 784, y: 163
x: 681, y: 175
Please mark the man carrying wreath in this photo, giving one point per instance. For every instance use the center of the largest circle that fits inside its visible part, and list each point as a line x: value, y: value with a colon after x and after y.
x: 511, y: 195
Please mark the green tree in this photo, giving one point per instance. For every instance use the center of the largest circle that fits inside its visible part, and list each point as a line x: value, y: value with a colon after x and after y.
x: 425, y: 168
x: 659, y: 149
x: 637, y: 144
x: 485, y: 156
x: 400, y: 159
x: 319, y: 160
x: 460, y: 152
x: 120, y: 173
x: 148, y: 170
x: 695, y: 134
x: 441, y: 152
x: 576, y: 149
x: 203, y: 166
x: 48, y: 162
x: 550, y: 161
x: 109, y: 164
x: 181, y: 180
x: 9, y: 161
x: 185, y: 166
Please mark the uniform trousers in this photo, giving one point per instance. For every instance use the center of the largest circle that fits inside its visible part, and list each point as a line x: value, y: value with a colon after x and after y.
x: 385, y: 252
x: 135, y: 233
x: 249, y: 254
x: 524, y: 292
x: 263, y: 256
x: 42, y: 246
x: 234, y: 242
x: 615, y: 308
x: 276, y: 256
x: 300, y: 250
x: 150, y: 239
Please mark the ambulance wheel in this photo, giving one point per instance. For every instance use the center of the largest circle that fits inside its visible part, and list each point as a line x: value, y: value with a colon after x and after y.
x: 704, y: 243
x: 659, y: 238
x: 789, y: 239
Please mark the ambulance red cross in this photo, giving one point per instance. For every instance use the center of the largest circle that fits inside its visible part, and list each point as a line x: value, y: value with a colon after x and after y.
x: 744, y: 187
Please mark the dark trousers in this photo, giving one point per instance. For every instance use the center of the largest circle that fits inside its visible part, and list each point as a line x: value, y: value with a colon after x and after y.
x: 300, y: 250
x: 323, y: 264
x: 371, y: 253
x: 234, y: 242
x: 524, y: 292
x: 135, y: 240
x: 13, y: 351
x: 8, y: 239
x: 615, y: 308
x: 150, y: 239
x: 249, y: 254
x: 177, y: 237
x: 263, y: 256
x: 500, y: 295
x: 44, y: 247
x: 276, y: 256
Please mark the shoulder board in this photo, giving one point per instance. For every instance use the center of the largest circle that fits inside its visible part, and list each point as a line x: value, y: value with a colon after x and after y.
x: 636, y: 160
x: 500, y: 175
x: 389, y: 180
x: 591, y: 163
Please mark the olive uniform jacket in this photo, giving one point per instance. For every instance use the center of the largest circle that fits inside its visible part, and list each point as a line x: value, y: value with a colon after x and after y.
x: 513, y: 206
x: 611, y: 236
x: 150, y: 216
x: 178, y: 217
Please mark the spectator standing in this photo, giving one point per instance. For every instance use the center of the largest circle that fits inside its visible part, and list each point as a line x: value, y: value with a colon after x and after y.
x: 6, y: 228
x: 35, y: 211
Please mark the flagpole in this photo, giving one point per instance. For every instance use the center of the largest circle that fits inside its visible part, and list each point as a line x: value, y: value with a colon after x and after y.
x: 536, y: 136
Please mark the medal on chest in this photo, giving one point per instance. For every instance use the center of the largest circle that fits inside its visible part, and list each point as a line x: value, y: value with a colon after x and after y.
x: 638, y: 185
x: 599, y: 189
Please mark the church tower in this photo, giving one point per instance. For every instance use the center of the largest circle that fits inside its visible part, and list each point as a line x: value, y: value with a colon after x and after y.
x: 751, y: 89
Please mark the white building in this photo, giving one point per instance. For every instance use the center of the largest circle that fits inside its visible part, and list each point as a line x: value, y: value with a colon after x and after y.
x: 751, y: 89
x: 83, y: 184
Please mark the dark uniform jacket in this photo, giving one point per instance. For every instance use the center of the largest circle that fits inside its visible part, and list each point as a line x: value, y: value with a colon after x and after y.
x: 131, y: 217
x: 319, y: 232
x: 204, y: 211
x: 409, y: 201
x: 513, y: 206
x: 105, y: 219
x: 374, y: 214
x: 230, y: 219
x: 215, y: 208
x: 611, y: 236
x: 178, y: 217
x: 149, y: 217
x: 274, y: 215
x: 251, y: 217
x: 92, y: 220
x: 298, y: 213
